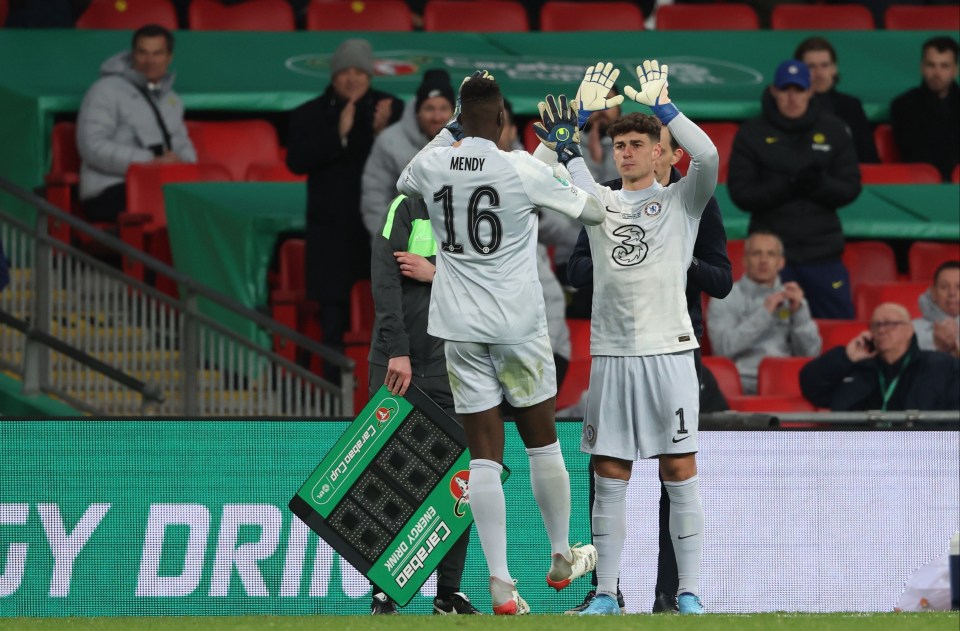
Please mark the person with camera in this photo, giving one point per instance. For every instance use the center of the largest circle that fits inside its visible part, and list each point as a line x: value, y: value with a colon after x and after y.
x: 883, y: 368
x: 130, y: 115
x: 762, y: 316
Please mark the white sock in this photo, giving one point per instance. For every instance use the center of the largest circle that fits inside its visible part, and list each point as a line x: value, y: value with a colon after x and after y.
x: 609, y: 530
x: 551, y: 489
x: 686, y: 531
x: 490, y: 514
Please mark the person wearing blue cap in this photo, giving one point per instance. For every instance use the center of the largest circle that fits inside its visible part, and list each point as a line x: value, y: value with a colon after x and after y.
x: 792, y: 168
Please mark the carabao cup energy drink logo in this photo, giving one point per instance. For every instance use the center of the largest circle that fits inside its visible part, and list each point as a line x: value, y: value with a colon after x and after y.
x: 385, y: 412
x: 460, y: 489
x: 684, y: 70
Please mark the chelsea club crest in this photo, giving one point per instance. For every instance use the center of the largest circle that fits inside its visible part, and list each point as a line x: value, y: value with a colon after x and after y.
x: 652, y: 209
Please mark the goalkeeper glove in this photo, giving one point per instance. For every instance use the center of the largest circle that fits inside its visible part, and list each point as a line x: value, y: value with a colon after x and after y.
x: 453, y: 125
x: 557, y: 128
x: 592, y: 94
x: 653, y: 90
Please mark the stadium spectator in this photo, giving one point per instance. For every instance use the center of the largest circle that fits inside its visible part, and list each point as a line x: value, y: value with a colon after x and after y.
x: 129, y: 115
x: 821, y: 58
x: 883, y: 369
x: 710, y: 272
x: 422, y: 119
x: 939, y: 327
x: 926, y: 119
x: 403, y: 353
x: 791, y: 169
x: 762, y: 317
x: 329, y: 141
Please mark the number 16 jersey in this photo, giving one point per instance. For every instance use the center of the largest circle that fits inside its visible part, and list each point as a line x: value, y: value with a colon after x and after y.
x: 482, y: 204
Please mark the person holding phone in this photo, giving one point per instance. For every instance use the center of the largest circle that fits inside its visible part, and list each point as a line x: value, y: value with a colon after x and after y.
x: 883, y: 368
x: 762, y: 316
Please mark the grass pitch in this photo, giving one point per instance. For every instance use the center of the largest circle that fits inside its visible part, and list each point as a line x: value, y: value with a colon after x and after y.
x: 931, y: 621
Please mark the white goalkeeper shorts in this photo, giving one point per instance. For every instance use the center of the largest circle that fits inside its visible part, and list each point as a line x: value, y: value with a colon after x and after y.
x: 642, y: 406
x: 482, y: 375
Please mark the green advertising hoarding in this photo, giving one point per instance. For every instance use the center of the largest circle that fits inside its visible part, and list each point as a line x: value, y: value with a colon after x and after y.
x: 190, y: 517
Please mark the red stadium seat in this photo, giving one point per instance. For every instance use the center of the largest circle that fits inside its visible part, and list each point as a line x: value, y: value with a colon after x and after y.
x: 869, y: 262
x: 272, y: 172
x: 955, y: 176
x: 722, y: 135
x: 360, y: 354
x: 868, y: 296
x: 821, y: 17
x: 907, y: 17
x: 887, y: 147
x: 839, y: 332
x: 481, y: 16
x: 235, y: 144
x: 362, y: 314
x: 770, y: 403
x: 145, y: 198
x: 779, y: 376
x: 735, y: 252
x: 924, y: 257
x: 359, y: 15
x: 251, y: 15
x: 558, y: 16
x: 288, y: 299
x: 530, y: 139
x: 64, y: 176
x: 725, y: 372
x: 578, y: 372
x: 3, y: 13
x: 707, y: 17
x: 128, y: 14
x: 902, y: 173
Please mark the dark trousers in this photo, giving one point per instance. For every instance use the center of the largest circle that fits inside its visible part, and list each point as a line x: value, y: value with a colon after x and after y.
x: 107, y: 205
x: 450, y: 569
x: 668, y: 576
x: 826, y: 286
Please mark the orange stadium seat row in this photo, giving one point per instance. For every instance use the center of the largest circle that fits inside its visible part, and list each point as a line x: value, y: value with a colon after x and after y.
x: 503, y: 16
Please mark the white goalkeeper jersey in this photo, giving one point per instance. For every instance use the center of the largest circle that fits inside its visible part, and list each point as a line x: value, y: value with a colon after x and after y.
x: 641, y: 253
x: 482, y: 204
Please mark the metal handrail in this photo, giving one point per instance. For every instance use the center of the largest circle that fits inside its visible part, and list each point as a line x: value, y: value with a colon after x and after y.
x: 191, y: 290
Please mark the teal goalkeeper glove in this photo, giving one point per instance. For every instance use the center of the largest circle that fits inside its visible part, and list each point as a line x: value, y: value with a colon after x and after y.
x: 592, y: 94
x: 453, y: 125
x: 557, y: 128
x: 653, y: 90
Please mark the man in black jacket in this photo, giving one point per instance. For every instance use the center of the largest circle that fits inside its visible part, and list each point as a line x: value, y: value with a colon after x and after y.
x: 402, y: 352
x: 926, y: 119
x: 791, y: 169
x: 883, y: 369
x: 710, y: 271
x: 329, y: 140
x: 821, y: 58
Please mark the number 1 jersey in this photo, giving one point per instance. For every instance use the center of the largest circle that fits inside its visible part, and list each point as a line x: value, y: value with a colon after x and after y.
x: 482, y: 204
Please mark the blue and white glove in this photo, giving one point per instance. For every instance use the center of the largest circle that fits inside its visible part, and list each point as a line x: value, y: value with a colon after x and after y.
x: 594, y: 89
x: 653, y: 90
x: 558, y: 129
x: 453, y: 125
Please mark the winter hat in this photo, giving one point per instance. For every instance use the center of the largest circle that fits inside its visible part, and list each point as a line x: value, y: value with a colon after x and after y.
x: 436, y: 82
x: 352, y: 53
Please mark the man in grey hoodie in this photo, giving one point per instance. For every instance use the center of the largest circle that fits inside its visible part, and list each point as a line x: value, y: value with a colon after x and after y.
x: 939, y: 328
x: 422, y: 119
x: 762, y: 317
x: 129, y: 115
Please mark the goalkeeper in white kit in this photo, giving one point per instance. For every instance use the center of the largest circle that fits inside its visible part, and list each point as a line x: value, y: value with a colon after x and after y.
x: 643, y: 398
x: 487, y: 306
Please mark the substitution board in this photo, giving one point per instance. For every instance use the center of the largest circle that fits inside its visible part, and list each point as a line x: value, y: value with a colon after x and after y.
x: 391, y: 495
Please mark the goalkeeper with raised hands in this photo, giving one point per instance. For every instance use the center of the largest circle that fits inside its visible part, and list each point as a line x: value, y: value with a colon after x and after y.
x: 643, y: 399
x: 487, y: 306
